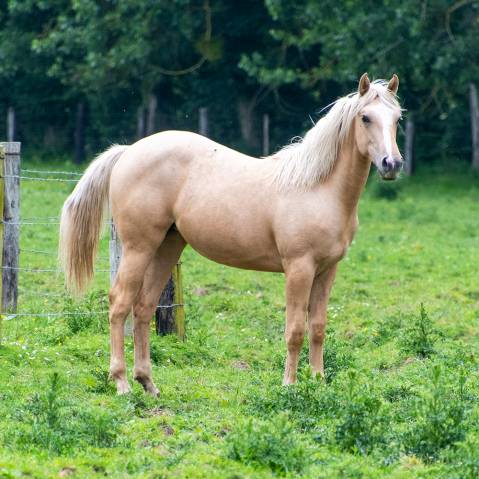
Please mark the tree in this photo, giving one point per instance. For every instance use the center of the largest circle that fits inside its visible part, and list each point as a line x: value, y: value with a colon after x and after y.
x: 433, y: 46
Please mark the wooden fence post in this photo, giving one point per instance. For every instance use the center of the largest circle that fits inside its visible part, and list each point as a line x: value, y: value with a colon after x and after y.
x: 265, y: 134
x: 80, y: 134
x: 2, y: 188
x: 151, y: 116
x: 409, y: 148
x: 140, y: 123
x: 11, y: 124
x: 115, y: 255
x: 11, y: 228
x: 203, y: 121
x: 474, y: 106
x: 170, y: 315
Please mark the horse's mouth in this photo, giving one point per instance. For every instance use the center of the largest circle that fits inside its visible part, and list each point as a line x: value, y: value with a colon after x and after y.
x: 388, y: 176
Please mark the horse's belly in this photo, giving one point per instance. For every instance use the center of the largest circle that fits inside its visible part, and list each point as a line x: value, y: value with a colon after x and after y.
x: 232, y: 245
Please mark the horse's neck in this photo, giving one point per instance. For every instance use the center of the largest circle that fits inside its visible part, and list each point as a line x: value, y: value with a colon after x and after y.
x: 349, y: 175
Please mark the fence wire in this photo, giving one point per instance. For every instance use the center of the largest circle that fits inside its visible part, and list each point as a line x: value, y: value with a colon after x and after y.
x: 37, y: 178
x: 25, y: 174
x: 77, y: 313
x: 46, y: 172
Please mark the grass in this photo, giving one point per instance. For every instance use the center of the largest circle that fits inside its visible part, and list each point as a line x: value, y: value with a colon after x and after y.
x: 402, y: 388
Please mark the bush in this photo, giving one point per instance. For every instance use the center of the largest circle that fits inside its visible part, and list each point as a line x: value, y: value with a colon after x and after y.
x: 273, y: 444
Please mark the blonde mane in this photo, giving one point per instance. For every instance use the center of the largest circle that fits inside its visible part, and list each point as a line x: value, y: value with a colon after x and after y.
x: 305, y: 163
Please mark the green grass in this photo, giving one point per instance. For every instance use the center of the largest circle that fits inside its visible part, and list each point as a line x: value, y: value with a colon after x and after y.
x: 401, y: 396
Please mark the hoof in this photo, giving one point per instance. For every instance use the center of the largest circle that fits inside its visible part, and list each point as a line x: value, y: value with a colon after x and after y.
x: 153, y: 390
x: 122, y: 387
x: 148, y: 385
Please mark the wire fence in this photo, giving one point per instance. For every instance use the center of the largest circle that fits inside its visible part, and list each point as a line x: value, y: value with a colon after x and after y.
x: 25, y: 175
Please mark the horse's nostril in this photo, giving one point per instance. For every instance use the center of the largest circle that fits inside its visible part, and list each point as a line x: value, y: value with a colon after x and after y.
x: 384, y: 163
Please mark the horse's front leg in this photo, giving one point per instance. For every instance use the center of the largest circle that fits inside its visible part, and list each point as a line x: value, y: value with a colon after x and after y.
x: 318, y: 306
x: 299, y: 278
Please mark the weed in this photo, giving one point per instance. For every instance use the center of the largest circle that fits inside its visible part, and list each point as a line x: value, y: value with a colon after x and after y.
x: 386, y: 329
x: 273, y: 444
x: 81, y: 315
x: 307, y: 401
x: 169, y: 350
x: 337, y: 356
x: 102, y: 383
x: 48, y: 421
x: 463, y: 460
x: 362, y: 421
x: 438, y: 416
x: 420, y: 337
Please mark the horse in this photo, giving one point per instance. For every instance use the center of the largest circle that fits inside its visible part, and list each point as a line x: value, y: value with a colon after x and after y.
x: 294, y: 212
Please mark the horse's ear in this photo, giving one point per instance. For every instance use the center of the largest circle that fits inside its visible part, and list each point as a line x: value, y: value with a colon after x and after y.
x: 393, y: 84
x: 363, y: 84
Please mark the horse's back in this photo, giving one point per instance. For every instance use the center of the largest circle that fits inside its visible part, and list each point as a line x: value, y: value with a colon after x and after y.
x: 220, y: 200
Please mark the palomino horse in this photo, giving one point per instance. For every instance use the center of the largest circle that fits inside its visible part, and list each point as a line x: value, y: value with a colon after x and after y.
x: 293, y: 212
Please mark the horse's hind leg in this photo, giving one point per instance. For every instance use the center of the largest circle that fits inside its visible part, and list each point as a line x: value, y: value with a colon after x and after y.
x: 128, y: 282
x: 156, y: 277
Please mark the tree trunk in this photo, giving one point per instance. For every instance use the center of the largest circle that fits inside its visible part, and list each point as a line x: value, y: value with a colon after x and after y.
x: 409, y: 148
x: 11, y: 124
x: 474, y: 106
x: 151, y: 119
x: 80, y: 134
x: 247, y: 123
x: 203, y: 121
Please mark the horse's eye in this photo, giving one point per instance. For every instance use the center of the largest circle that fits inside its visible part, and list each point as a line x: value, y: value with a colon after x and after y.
x: 366, y: 119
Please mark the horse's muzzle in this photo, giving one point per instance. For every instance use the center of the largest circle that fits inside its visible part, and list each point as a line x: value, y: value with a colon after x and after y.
x: 390, y: 167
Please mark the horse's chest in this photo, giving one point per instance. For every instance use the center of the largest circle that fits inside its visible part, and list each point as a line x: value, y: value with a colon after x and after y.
x: 332, y: 247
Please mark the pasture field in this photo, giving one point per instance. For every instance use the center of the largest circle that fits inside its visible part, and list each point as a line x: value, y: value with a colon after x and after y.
x: 402, y: 354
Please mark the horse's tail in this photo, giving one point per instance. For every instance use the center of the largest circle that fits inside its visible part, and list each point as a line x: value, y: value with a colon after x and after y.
x: 82, y: 218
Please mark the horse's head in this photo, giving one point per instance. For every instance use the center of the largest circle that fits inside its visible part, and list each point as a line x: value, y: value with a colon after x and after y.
x: 376, y: 125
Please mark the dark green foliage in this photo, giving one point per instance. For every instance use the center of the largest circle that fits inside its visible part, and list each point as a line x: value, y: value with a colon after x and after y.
x: 438, y: 415
x: 102, y: 382
x: 387, y: 190
x: 362, y: 421
x: 170, y: 350
x: 89, y: 313
x: 274, y: 444
x: 51, y: 422
x: 420, y: 335
x: 338, y: 356
x: 463, y: 460
x: 259, y: 57
x: 307, y: 401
